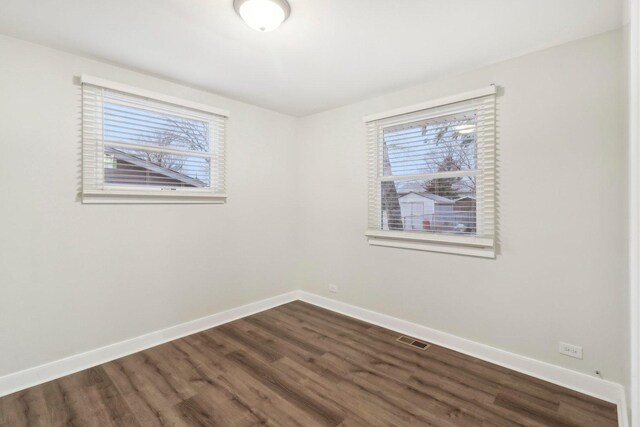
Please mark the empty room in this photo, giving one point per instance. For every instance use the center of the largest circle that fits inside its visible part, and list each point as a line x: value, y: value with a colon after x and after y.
x: 319, y: 213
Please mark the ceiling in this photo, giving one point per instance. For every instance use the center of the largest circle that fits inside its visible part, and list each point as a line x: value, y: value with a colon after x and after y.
x: 328, y: 53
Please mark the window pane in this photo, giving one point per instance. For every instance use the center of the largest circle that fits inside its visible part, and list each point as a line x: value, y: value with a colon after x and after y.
x: 442, y: 205
x: 428, y: 146
x: 137, y: 149
x: 126, y: 124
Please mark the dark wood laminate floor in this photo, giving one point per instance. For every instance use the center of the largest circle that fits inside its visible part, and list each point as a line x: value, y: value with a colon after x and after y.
x: 298, y: 364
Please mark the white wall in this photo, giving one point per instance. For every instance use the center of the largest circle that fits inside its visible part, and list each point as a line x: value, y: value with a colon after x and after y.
x: 561, y: 270
x: 74, y: 277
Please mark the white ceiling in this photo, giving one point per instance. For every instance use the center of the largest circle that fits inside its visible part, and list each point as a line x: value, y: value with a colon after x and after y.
x: 329, y: 52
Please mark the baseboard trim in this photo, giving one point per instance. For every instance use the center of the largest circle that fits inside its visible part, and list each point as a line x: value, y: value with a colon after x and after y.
x: 59, y: 368
x: 592, y: 386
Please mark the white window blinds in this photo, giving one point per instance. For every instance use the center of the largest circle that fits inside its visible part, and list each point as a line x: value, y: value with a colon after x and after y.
x: 139, y: 149
x: 432, y: 175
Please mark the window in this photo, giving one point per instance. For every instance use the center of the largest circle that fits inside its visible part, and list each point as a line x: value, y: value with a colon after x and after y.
x: 140, y: 147
x: 432, y: 175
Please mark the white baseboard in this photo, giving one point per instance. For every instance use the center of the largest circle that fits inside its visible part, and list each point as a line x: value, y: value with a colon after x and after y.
x: 592, y: 386
x: 59, y: 368
x: 596, y: 387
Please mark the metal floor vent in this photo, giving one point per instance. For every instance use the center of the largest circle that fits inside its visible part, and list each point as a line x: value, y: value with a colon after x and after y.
x: 413, y: 342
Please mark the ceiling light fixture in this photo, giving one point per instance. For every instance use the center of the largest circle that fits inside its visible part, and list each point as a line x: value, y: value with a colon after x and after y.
x: 263, y: 15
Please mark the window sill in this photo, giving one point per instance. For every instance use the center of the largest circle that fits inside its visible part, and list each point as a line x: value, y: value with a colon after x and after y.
x: 130, y: 197
x: 460, y: 245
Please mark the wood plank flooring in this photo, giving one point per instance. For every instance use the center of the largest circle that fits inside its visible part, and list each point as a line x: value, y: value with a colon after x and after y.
x: 300, y: 365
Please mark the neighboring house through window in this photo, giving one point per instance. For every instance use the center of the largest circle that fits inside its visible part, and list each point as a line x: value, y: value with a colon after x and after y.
x: 432, y: 175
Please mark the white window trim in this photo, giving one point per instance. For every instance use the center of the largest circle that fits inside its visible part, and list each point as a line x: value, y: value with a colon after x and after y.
x: 150, y: 195
x: 461, y: 245
x: 453, y: 244
x: 144, y: 197
x: 466, y: 96
x: 156, y: 96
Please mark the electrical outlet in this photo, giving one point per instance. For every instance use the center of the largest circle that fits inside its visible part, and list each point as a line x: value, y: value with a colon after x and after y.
x: 570, y: 350
x: 333, y: 289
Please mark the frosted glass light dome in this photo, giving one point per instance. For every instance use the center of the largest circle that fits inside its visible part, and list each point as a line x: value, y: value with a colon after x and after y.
x: 263, y: 15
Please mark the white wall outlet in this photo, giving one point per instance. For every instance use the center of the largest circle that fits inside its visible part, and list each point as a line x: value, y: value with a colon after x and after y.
x: 333, y: 289
x: 571, y: 350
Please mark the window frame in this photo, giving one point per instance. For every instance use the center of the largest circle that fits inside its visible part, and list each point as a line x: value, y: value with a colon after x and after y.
x: 472, y: 245
x: 113, y: 193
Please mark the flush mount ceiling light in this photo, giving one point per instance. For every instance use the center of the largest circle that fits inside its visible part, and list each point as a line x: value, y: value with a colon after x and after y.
x: 262, y: 15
